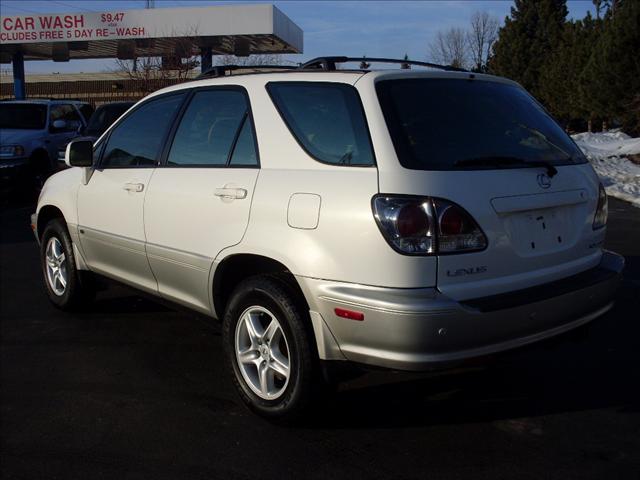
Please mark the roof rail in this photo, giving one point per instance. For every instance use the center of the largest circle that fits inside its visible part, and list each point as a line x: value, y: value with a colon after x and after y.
x: 329, y: 63
x: 221, y: 70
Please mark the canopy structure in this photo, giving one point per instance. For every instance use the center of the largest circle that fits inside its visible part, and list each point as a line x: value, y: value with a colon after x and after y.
x: 165, y: 32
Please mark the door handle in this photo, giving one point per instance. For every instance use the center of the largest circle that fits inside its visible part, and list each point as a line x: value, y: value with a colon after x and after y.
x: 134, y: 187
x: 231, y: 193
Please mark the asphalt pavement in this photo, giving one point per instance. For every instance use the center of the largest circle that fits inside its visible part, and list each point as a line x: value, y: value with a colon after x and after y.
x: 133, y: 389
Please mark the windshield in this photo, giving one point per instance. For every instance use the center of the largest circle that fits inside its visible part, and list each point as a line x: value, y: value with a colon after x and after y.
x: 103, y: 117
x: 23, y: 116
x: 451, y: 124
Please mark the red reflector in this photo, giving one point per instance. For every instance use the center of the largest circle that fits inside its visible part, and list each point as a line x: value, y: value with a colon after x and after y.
x: 350, y: 314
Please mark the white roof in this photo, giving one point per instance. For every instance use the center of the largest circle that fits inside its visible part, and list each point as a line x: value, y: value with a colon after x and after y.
x: 340, y: 76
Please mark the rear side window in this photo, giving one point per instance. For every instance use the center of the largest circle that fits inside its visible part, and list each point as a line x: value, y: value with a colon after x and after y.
x: 244, y: 153
x: 450, y: 124
x: 136, y: 140
x: 67, y: 113
x: 327, y: 120
x: 86, y: 110
x: 215, y: 130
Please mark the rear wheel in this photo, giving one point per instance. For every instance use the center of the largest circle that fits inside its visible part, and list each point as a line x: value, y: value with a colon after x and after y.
x: 270, y: 349
x: 66, y: 288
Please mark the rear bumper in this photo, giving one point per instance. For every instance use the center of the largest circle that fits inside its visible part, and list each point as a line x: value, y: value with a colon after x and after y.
x: 420, y: 329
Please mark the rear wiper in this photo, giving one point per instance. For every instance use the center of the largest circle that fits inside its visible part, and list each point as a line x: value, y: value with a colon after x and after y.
x: 498, y: 161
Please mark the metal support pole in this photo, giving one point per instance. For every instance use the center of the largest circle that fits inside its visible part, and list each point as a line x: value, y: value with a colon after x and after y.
x: 206, y: 59
x: 18, y: 76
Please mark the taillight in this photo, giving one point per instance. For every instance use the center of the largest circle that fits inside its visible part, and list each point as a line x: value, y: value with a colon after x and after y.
x: 426, y: 226
x: 602, y: 210
x: 458, y: 232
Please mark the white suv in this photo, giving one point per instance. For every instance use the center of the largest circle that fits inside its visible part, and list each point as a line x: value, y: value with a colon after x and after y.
x: 400, y: 218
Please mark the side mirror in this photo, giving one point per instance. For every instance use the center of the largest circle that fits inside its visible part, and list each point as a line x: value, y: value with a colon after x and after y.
x: 59, y: 125
x: 79, y: 153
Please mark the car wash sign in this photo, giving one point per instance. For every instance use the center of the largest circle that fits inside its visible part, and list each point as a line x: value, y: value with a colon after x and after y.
x: 98, y: 34
x: 70, y: 27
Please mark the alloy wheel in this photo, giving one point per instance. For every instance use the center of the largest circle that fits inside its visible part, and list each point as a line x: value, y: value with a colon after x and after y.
x: 56, y: 266
x: 262, y: 353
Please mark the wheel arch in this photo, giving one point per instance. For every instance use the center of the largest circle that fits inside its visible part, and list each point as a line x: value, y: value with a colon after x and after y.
x: 45, y: 215
x: 234, y: 268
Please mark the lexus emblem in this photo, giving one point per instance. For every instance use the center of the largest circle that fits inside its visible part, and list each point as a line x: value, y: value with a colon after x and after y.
x: 543, y: 180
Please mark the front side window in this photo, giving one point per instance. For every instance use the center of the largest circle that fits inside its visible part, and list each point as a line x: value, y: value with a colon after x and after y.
x: 452, y: 124
x: 137, y: 139
x: 326, y: 119
x: 215, y: 130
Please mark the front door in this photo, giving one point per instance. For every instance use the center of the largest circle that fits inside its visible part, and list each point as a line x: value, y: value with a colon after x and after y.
x: 110, y: 206
x: 198, y: 202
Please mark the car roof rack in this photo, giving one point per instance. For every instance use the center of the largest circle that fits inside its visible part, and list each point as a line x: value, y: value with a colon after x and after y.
x: 222, y: 70
x: 329, y: 63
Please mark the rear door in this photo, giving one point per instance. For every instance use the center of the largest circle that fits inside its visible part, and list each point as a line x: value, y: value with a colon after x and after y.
x: 199, y: 200
x: 492, y: 149
x: 110, y: 205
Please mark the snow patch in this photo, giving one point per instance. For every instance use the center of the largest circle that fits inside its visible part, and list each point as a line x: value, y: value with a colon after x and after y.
x: 605, y: 151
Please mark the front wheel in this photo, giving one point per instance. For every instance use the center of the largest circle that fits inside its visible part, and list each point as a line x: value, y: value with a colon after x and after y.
x: 269, y: 347
x: 65, y: 287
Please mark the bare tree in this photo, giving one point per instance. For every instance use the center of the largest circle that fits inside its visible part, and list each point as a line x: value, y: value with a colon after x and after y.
x: 481, y: 37
x: 150, y: 72
x: 449, y: 48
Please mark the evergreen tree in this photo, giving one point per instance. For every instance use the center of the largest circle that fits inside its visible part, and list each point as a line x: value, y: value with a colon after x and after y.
x: 611, y: 78
x: 561, y: 75
x: 527, y: 40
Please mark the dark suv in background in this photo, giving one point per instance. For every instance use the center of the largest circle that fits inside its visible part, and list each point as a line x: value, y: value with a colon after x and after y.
x: 32, y: 132
x: 100, y: 120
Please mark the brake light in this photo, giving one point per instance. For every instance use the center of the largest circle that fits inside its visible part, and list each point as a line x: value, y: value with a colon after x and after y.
x: 426, y: 225
x: 602, y: 210
x: 452, y: 221
x: 458, y: 232
x: 412, y: 221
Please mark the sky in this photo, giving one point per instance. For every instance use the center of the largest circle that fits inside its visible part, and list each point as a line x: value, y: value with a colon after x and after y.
x: 353, y: 28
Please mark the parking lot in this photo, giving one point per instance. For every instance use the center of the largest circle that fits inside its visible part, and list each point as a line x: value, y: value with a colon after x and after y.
x: 136, y: 389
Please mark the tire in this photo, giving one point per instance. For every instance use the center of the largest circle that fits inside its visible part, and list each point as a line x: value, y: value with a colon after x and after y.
x: 67, y: 287
x: 287, y: 393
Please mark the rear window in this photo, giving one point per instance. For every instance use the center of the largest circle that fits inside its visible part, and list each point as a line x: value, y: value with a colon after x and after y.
x: 449, y: 124
x: 326, y: 119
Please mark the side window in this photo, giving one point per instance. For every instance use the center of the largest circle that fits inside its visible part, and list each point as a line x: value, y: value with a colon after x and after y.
x: 86, y: 110
x: 212, y: 125
x: 136, y: 141
x: 244, y: 153
x: 326, y: 119
x: 67, y: 113
x: 97, y: 150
